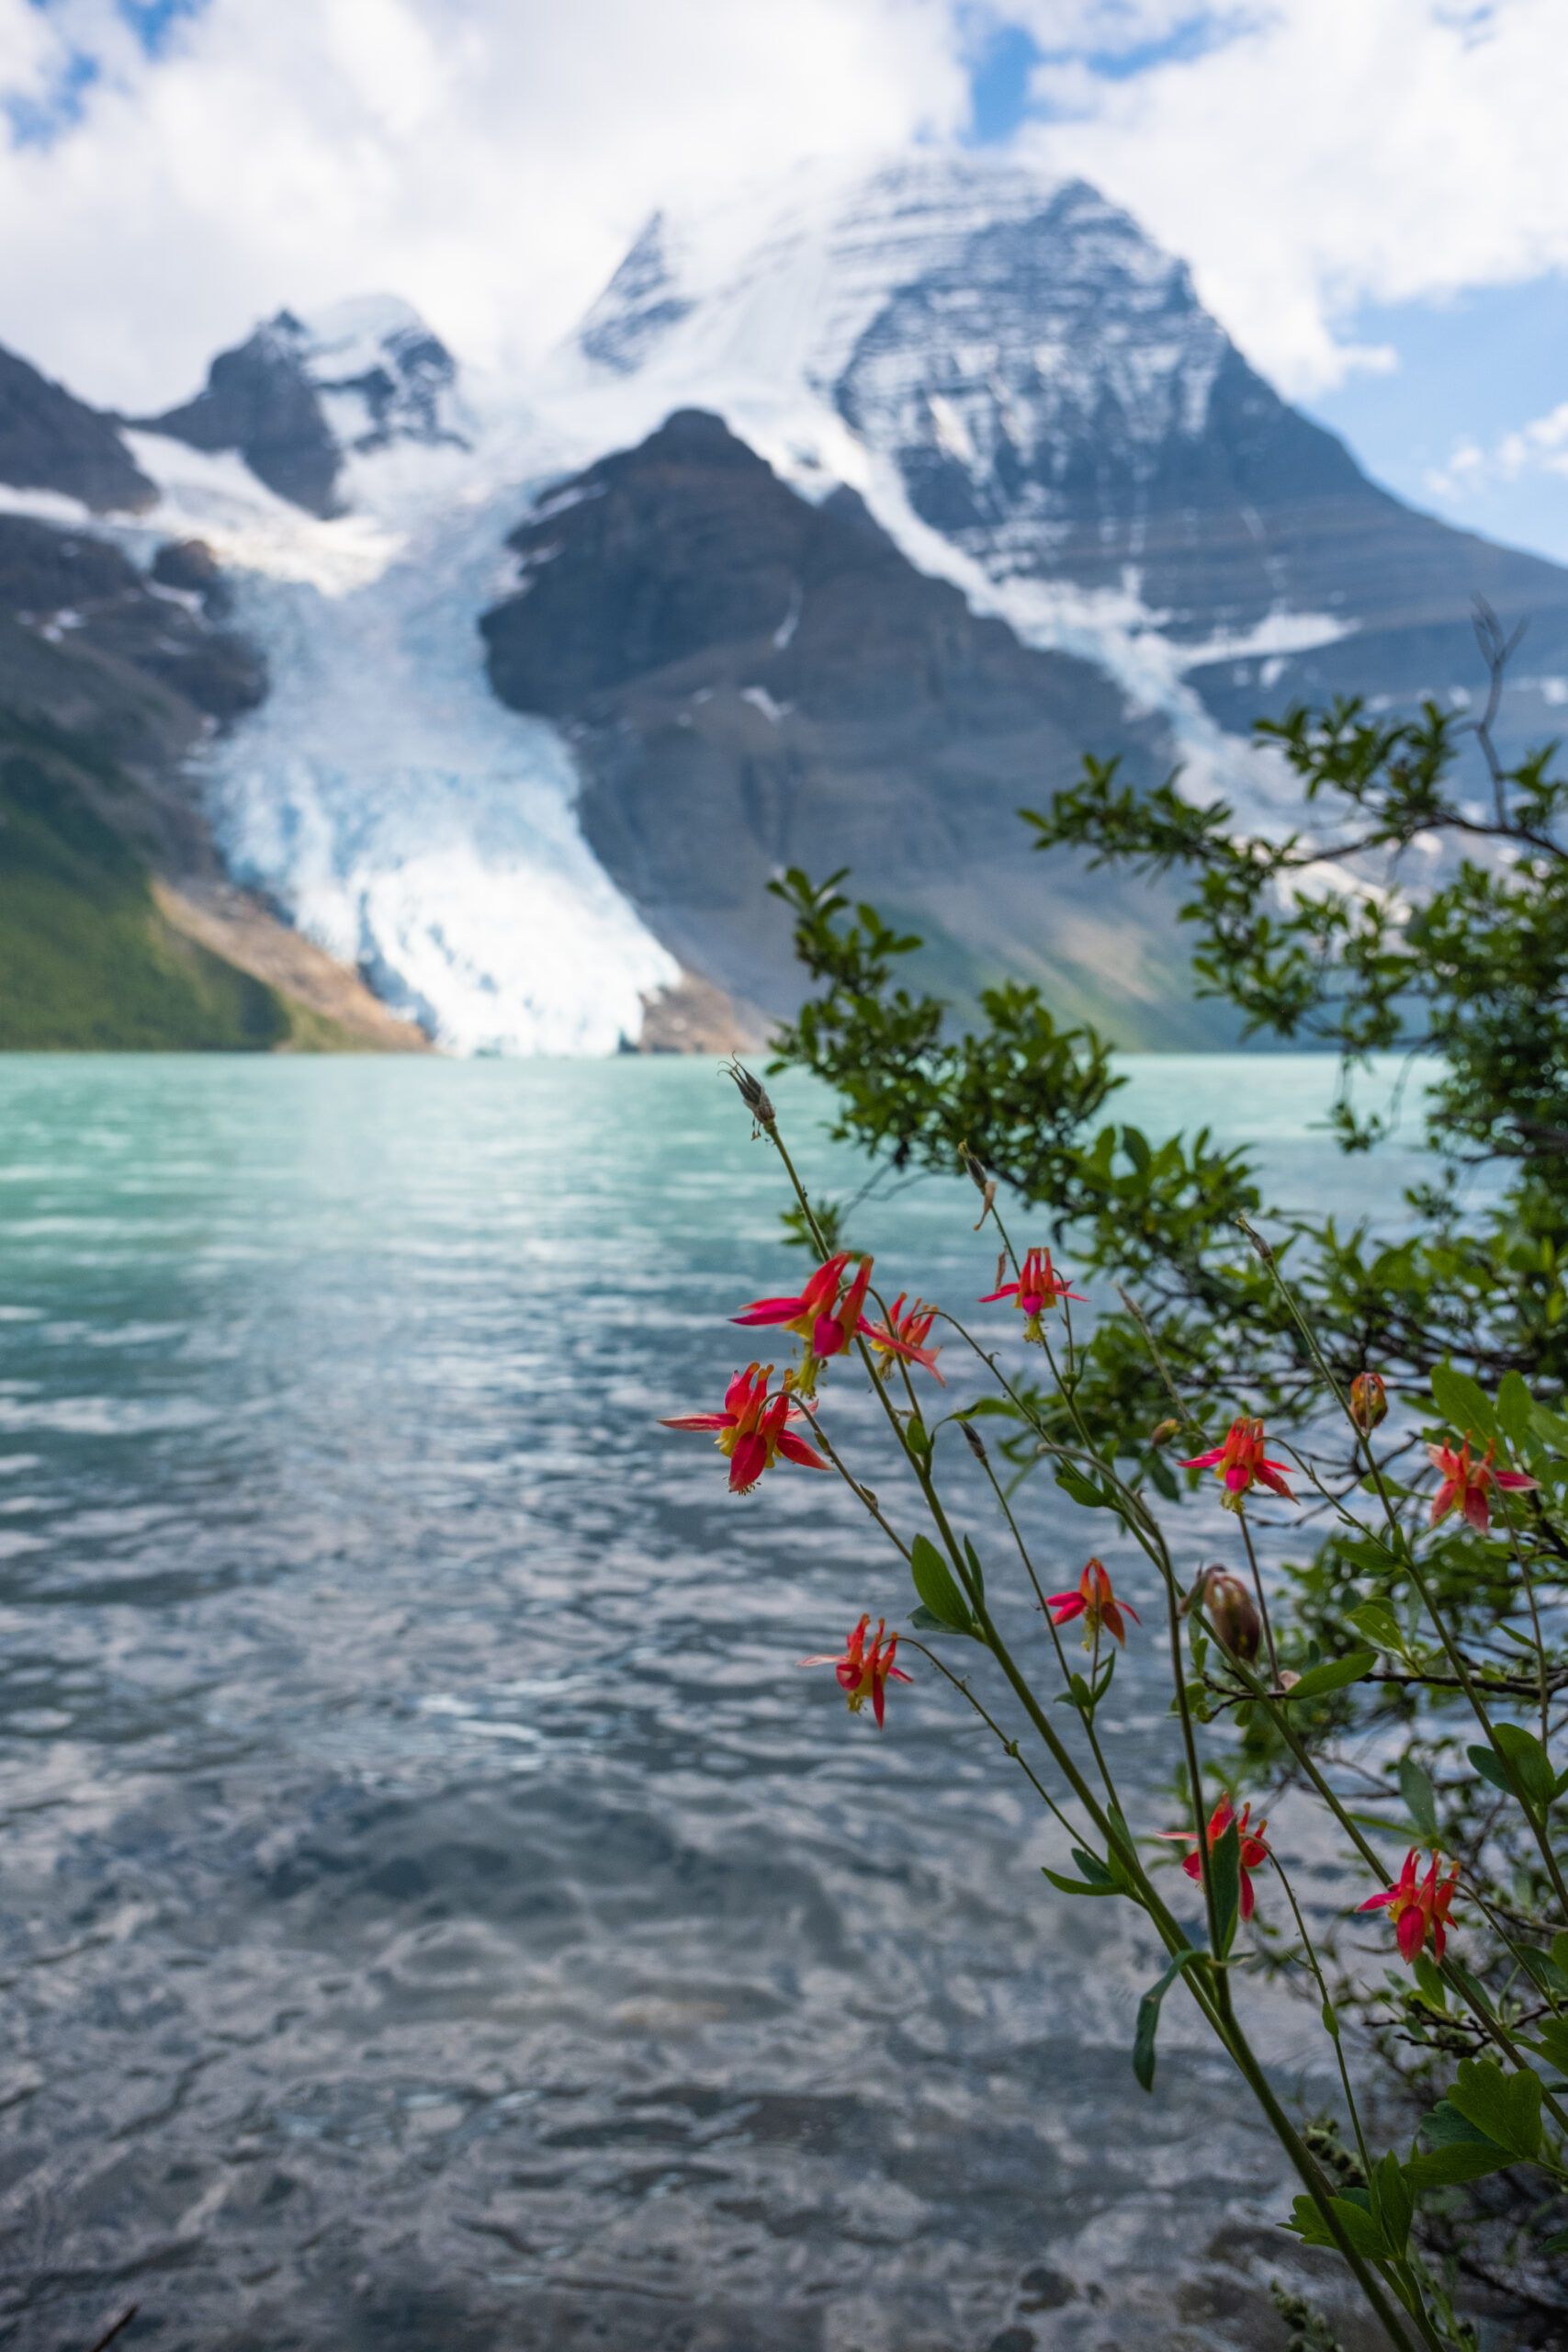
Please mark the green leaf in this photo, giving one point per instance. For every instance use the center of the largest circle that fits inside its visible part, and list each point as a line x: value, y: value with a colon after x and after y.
x: 1134, y: 1143
x: 1373, y: 1620
x: 1505, y: 2106
x: 1462, y: 1402
x: 1490, y: 1768
x: 1530, y: 1761
x: 1514, y: 1407
x: 1551, y: 2043
x: 1556, y: 2244
x: 1429, y: 1977
x: 1369, y: 1553
x: 1079, y: 1885
x: 1446, y: 2166
x: 1148, y: 2019
x: 1093, y: 1868
x: 1224, y: 1873
x: 924, y: 1623
x: 1334, y: 1674
x: 1073, y: 1482
x: 975, y: 1570
x: 919, y: 1436
x: 1393, y: 2206
x: 937, y: 1590
x: 1421, y: 1803
x: 1355, y: 2219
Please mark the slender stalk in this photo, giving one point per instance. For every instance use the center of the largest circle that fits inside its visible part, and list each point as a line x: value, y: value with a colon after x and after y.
x: 1257, y: 1588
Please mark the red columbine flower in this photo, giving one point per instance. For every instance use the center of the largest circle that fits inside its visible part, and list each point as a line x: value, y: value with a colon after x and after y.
x: 1096, y: 1603
x: 1466, y: 1482
x: 862, y: 1673
x: 826, y: 1317
x: 1239, y: 1464
x: 753, y: 1429
x: 1254, y: 1852
x: 799, y: 1315
x: 1415, y: 1910
x: 904, y: 1335
x: 1036, y: 1292
x: 1369, y: 1401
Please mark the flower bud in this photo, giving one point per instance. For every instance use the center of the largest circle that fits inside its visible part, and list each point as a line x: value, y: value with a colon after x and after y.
x: 1232, y: 1613
x: 977, y: 1175
x: 1369, y: 1401
x: 973, y: 1439
x: 1163, y: 1432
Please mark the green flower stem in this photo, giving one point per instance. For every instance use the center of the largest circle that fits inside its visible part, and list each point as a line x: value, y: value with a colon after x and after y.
x: 1257, y: 1588
x: 1333, y: 2030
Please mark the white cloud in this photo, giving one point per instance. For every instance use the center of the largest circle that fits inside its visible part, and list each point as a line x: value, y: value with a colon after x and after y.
x: 1539, y: 447
x: 1316, y: 153
x: 490, y: 159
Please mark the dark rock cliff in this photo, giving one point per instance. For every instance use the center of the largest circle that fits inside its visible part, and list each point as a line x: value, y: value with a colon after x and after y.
x: 258, y: 399
x: 752, y: 682
x: 51, y: 440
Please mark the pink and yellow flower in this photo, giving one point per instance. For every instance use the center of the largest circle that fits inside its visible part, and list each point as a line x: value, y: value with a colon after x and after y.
x: 1096, y: 1603
x: 1254, y: 1852
x: 1036, y: 1290
x: 1466, y: 1483
x: 1239, y: 1464
x: 1416, y: 1911
x: 904, y: 1335
x: 864, y: 1673
x: 753, y: 1429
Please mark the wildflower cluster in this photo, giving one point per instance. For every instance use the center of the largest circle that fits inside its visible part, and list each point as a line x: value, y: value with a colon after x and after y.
x: 1249, y: 1696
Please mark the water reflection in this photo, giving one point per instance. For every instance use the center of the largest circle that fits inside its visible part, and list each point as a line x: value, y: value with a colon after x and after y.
x: 435, y: 1913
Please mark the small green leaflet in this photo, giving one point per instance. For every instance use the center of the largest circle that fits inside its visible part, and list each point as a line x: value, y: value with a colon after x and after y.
x: 1420, y: 1802
x: 937, y: 1590
x: 1334, y: 1674
x: 1514, y: 1407
x: 1462, y: 1402
x: 1506, y: 2107
x: 1458, y: 2151
x: 1225, y: 1877
x: 1148, y: 2019
x: 1354, y: 2215
x: 1373, y: 1620
x: 1095, y: 1879
x: 1073, y: 1483
x: 1530, y: 1761
x: 975, y: 1570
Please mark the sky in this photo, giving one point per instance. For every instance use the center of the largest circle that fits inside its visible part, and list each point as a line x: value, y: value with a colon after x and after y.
x: 1370, y: 192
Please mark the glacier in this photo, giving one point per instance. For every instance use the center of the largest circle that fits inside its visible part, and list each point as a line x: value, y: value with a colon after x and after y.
x: 381, y: 798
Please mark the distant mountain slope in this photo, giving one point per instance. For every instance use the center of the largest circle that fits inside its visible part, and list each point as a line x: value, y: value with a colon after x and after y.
x: 750, y: 681
x: 50, y: 440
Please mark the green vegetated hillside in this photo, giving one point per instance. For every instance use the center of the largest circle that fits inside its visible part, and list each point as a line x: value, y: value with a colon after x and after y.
x: 87, y: 961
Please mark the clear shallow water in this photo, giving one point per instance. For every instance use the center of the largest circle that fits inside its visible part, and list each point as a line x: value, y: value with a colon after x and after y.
x: 435, y: 1911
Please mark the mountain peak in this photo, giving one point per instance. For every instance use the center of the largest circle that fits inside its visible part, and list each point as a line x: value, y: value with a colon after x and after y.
x: 303, y: 395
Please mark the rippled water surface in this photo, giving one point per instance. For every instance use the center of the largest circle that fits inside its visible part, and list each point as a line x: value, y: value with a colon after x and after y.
x: 436, y: 1912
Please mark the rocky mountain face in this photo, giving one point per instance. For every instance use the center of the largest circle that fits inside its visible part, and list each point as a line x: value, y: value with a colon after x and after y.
x: 50, y: 440
x: 1041, y: 386
x: 297, y: 399
x: 750, y: 681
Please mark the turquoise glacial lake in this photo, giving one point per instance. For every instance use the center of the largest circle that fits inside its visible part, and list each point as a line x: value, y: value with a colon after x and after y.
x: 435, y: 1914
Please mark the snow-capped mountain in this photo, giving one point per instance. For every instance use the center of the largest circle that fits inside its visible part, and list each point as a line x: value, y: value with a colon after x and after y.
x: 850, y: 515
x: 302, y: 395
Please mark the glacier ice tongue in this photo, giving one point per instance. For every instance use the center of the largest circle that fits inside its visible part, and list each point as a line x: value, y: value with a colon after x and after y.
x: 381, y: 797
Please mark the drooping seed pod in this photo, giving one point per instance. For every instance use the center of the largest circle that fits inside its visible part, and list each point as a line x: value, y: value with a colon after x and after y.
x: 973, y: 1439
x: 1369, y: 1401
x: 1231, y: 1611
x: 753, y: 1093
